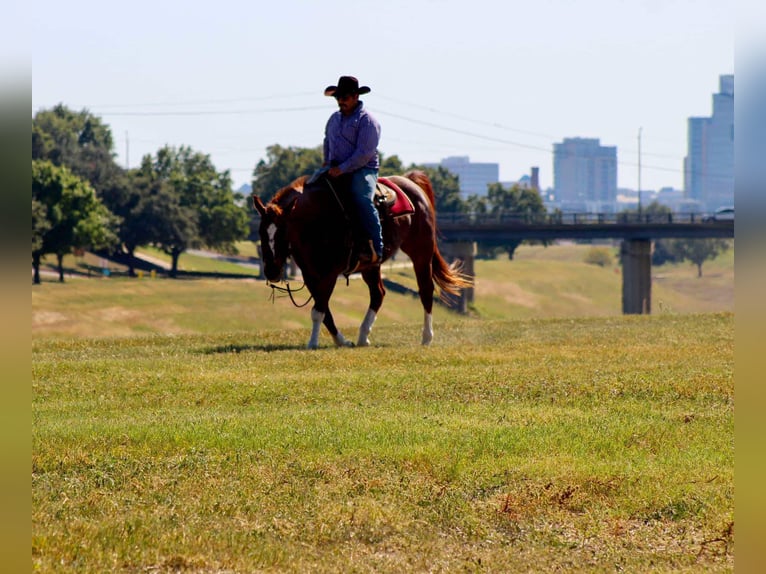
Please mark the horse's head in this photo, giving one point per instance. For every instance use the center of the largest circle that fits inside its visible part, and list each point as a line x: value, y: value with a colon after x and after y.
x: 275, y: 247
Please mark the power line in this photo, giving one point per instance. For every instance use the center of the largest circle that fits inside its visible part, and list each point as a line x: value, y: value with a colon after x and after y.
x: 506, y: 142
x: 501, y: 126
x: 215, y: 112
x: 204, y: 102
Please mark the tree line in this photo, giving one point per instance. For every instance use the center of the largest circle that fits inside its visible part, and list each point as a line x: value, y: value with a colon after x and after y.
x: 82, y: 199
x: 176, y: 199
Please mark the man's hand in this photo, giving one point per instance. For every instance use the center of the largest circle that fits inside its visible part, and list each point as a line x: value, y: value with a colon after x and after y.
x: 335, y: 171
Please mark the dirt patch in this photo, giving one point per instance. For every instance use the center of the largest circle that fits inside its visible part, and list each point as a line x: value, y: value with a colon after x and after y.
x: 40, y: 318
x: 510, y: 292
x: 114, y: 314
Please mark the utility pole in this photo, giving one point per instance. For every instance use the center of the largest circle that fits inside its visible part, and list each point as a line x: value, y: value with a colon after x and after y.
x: 639, y: 173
x: 127, y: 151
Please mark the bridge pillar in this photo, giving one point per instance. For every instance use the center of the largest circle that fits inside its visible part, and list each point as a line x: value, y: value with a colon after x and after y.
x: 464, y: 251
x: 636, y: 257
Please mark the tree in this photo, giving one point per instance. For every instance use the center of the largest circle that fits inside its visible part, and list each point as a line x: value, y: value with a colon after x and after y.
x: 185, y: 203
x: 446, y: 189
x: 84, y: 144
x: 78, y: 140
x: 698, y: 251
x: 524, y: 203
x: 66, y: 214
x: 655, y: 211
x: 40, y: 224
x: 282, y: 166
x: 391, y: 166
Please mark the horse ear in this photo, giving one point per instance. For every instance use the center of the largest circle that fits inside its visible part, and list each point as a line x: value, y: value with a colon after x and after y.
x: 258, y: 205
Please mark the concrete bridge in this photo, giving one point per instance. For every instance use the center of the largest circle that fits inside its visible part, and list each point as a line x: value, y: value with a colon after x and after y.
x: 459, y: 232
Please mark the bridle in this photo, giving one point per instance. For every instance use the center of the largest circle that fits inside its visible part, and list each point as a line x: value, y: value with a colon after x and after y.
x: 289, y: 290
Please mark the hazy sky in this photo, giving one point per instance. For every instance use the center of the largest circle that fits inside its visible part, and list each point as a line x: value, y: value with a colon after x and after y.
x: 498, y: 81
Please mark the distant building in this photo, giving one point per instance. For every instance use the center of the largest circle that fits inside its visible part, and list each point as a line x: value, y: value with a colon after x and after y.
x: 709, y: 164
x: 584, y: 175
x: 473, y: 177
x: 526, y: 181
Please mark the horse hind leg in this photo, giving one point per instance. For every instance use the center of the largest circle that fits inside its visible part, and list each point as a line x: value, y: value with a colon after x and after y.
x: 377, y: 292
x: 426, y: 292
x: 428, y: 329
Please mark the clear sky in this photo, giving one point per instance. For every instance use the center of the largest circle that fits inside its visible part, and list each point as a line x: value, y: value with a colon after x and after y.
x: 498, y: 81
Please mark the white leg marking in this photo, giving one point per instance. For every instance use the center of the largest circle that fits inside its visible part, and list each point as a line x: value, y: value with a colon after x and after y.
x: 316, y: 325
x: 365, y: 328
x: 428, y: 328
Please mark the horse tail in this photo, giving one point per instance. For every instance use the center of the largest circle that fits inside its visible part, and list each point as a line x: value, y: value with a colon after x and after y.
x: 421, y: 179
x: 449, y: 277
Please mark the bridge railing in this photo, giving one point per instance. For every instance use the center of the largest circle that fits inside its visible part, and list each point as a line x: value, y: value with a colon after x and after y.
x: 491, y: 219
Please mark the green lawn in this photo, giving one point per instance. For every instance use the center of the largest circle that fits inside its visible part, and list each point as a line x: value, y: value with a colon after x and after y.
x: 596, y: 444
x: 181, y: 426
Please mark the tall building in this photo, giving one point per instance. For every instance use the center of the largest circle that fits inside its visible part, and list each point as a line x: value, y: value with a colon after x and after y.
x: 584, y: 175
x: 709, y: 164
x: 472, y: 177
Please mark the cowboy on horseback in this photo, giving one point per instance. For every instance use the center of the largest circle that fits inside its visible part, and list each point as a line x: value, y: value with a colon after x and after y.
x: 351, y: 147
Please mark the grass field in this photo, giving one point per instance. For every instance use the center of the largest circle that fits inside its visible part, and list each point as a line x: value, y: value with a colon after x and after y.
x: 180, y: 426
x: 540, y: 283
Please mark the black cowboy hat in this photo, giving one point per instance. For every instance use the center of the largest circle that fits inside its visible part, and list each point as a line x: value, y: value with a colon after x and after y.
x: 347, y: 85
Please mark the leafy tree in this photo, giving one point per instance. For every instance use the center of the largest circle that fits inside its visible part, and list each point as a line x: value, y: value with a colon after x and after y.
x: 698, y: 251
x: 655, y: 211
x: 186, y: 204
x: 391, y: 165
x: 446, y: 189
x: 518, y: 201
x: 283, y: 165
x: 78, y: 140
x: 66, y: 214
x: 663, y: 252
x: 477, y: 204
x: 84, y: 144
x: 40, y: 224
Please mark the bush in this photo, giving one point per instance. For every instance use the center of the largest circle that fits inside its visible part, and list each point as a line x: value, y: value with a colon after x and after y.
x: 600, y: 256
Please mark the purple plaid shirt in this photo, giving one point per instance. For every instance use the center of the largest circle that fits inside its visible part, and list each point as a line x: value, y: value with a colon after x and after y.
x: 351, y: 142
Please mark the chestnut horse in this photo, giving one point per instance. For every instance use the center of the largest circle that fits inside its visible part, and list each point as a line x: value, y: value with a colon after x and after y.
x: 308, y: 221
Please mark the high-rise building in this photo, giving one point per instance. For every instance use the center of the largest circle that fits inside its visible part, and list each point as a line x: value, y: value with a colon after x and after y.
x: 709, y: 164
x: 584, y: 175
x: 473, y: 177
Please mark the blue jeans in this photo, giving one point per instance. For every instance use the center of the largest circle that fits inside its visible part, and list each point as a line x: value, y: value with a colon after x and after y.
x: 362, y: 191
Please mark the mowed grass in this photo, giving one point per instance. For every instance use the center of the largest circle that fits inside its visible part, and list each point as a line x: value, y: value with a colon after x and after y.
x: 180, y: 426
x: 512, y: 446
x: 540, y: 282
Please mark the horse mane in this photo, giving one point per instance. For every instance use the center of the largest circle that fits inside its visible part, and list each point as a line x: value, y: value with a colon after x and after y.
x: 286, y: 195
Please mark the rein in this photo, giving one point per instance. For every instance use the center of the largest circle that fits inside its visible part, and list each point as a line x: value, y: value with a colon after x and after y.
x: 287, y: 289
x: 340, y: 203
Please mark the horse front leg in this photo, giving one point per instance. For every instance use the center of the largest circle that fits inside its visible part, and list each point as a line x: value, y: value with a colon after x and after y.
x: 377, y: 292
x: 337, y: 336
x: 320, y: 314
